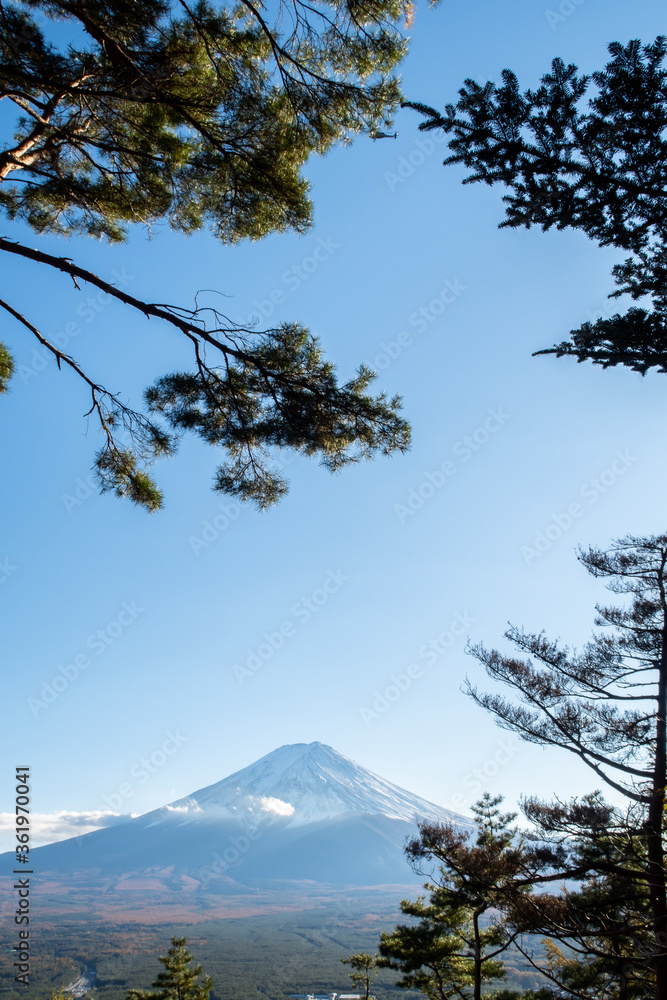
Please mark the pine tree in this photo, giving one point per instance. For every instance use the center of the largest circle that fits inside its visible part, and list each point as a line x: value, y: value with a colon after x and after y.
x: 607, y: 705
x: 428, y: 953
x: 600, y: 167
x: 599, y: 931
x: 454, y: 948
x: 134, y: 111
x: 365, y: 969
x: 179, y: 980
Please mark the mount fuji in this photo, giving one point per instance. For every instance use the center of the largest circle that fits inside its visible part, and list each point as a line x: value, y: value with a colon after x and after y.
x: 306, y: 783
x: 302, y: 818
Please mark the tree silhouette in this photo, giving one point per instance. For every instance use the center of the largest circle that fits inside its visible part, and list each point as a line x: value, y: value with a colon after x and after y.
x: 600, y: 167
x: 607, y: 705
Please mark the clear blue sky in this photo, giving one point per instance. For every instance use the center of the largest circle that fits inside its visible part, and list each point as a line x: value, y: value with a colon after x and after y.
x: 407, y: 270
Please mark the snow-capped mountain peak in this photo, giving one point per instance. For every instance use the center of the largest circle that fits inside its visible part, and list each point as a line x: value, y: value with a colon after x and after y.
x: 306, y: 783
x: 303, y: 815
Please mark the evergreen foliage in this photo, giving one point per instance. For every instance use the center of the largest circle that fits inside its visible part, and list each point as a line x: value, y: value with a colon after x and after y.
x: 605, y: 923
x: 600, y: 167
x: 428, y: 953
x: 202, y: 115
x: 365, y: 968
x: 6, y: 367
x: 191, y: 112
x: 607, y: 705
x: 449, y: 951
x: 179, y: 980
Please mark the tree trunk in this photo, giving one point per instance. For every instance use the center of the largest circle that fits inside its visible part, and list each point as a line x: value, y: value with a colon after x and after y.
x: 656, y: 868
x: 477, y: 994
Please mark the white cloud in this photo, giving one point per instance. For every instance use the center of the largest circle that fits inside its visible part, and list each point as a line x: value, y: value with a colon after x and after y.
x: 47, y: 828
x: 191, y: 806
x: 269, y: 804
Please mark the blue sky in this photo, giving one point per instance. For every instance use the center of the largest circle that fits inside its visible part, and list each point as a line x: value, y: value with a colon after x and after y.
x: 202, y: 637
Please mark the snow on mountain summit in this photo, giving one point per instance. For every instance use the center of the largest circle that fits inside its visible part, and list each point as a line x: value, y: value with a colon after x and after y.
x: 302, y: 816
x: 305, y: 783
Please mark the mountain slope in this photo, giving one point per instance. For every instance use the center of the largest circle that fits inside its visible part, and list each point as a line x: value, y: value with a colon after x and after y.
x: 301, y: 814
x: 306, y: 783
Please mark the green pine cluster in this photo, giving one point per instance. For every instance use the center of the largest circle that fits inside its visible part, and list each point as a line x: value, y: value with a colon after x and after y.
x: 451, y: 948
x: 202, y: 114
x: 198, y: 113
x: 179, y: 980
x: 588, y: 153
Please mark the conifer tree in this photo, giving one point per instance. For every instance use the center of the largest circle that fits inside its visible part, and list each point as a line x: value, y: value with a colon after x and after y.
x: 599, y: 166
x: 365, y: 969
x: 180, y: 980
x: 454, y: 948
x: 598, y: 932
x: 428, y: 953
x: 199, y: 114
x: 607, y: 705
